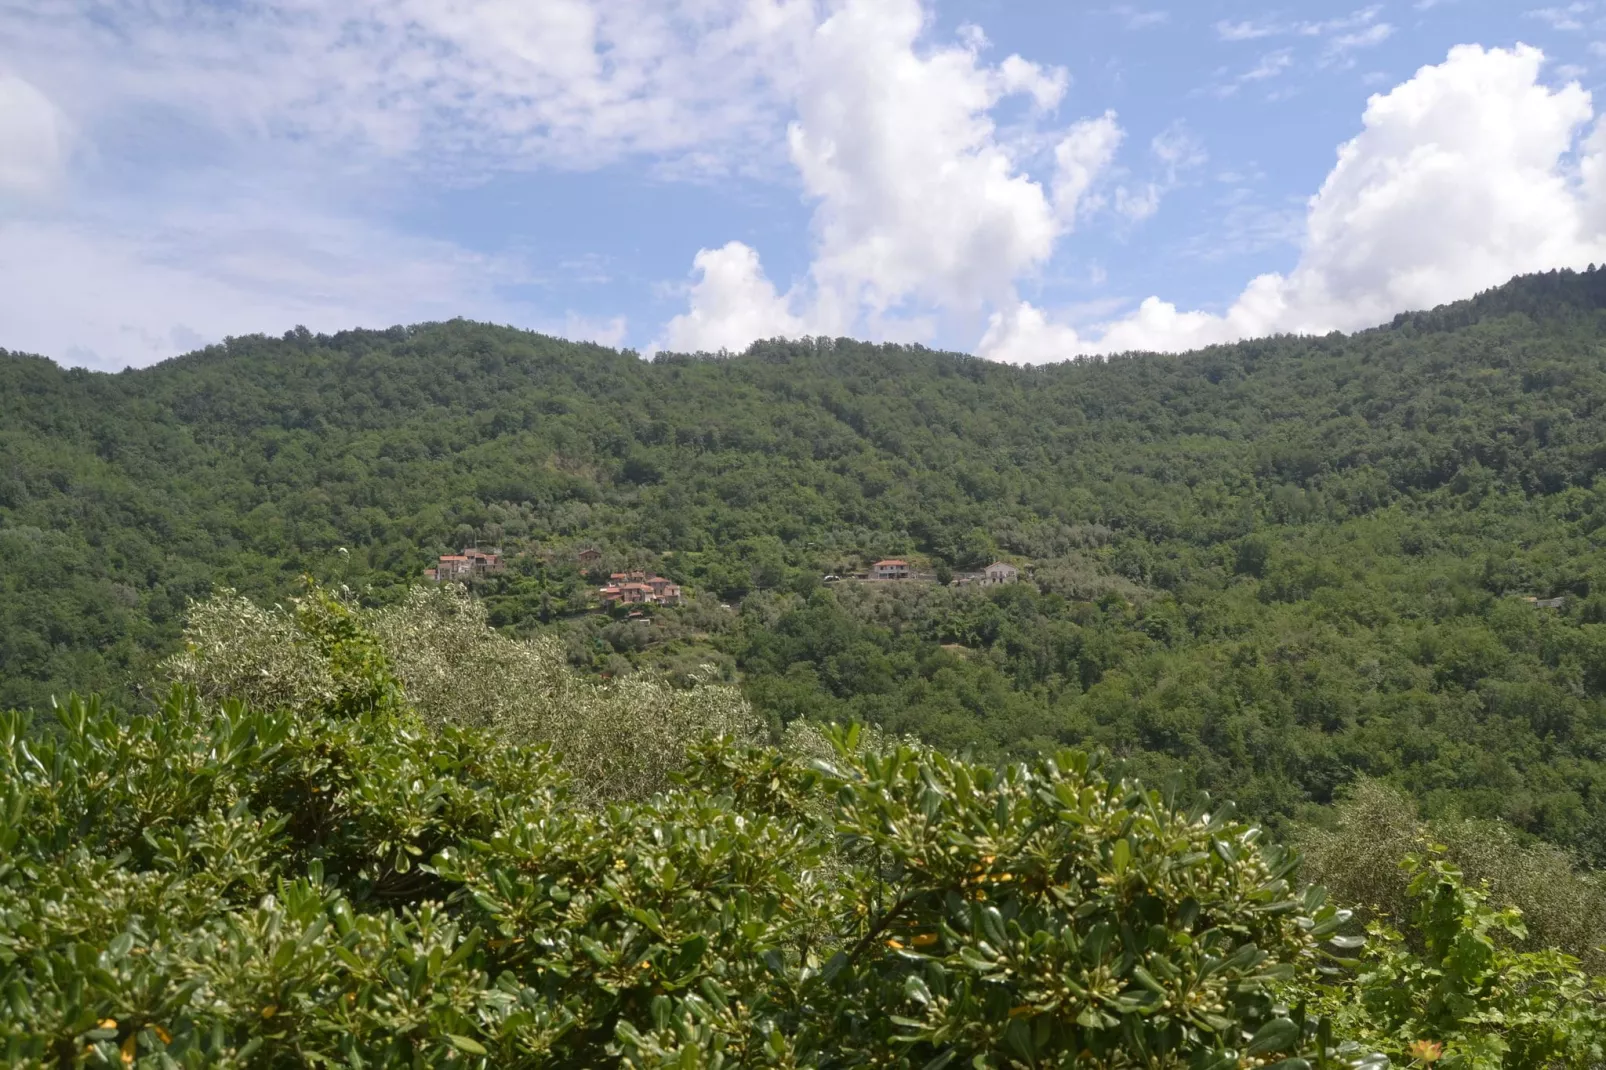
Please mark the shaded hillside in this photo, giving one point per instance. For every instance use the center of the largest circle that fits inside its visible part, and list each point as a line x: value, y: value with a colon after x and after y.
x: 1275, y: 563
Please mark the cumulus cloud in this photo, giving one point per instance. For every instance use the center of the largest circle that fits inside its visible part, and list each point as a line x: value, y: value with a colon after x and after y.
x: 1083, y: 154
x: 1459, y: 179
x: 732, y: 304
x: 32, y: 138
x: 1023, y: 334
x: 919, y: 203
x: 916, y: 197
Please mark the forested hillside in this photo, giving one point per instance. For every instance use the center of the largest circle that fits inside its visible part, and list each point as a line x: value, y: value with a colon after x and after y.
x: 1274, y: 566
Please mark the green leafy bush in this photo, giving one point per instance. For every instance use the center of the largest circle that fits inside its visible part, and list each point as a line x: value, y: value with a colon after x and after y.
x: 358, y: 876
x: 1452, y: 991
x: 437, y: 646
x: 219, y: 886
x: 1357, y: 856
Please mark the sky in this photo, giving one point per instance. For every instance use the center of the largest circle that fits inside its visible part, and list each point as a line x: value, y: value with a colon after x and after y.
x: 1028, y: 181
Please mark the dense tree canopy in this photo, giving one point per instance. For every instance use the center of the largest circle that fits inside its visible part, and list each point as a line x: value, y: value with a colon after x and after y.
x: 1273, y: 566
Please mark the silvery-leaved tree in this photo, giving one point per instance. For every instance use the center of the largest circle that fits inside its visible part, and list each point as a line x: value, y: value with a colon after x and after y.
x: 619, y: 740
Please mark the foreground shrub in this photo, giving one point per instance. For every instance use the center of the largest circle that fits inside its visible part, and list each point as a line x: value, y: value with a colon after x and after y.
x: 221, y: 886
x: 1358, y: 857
x: 1453, y: 991
x: 619, y: 740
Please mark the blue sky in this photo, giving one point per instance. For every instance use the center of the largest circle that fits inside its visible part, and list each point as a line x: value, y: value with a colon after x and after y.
x: 1030, y: 181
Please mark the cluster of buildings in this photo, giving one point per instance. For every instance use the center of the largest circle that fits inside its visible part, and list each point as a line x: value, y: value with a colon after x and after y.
x: 628, y: 588
x: 471, y: 564
x: 996, y: 573
x: 635, y: 588
x: 642, y: 588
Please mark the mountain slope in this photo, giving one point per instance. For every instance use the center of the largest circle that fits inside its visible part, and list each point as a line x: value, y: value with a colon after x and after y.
x: 1274, y: 564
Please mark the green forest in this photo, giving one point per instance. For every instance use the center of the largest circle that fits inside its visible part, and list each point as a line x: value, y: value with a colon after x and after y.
x: 1272, y: 567
x: 1354, y: 584
x: 394, y: 836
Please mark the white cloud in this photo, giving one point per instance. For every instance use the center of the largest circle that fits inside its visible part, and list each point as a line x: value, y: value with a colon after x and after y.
x: 1082, y: 155
x: 1563, y: 17
x: 610, y: 332
x: 457, y: 85
x: 1374, y: 34
x: 1022, y: 334
x: 1136, y: 18
x: 1247, y: 30
x: 1344, y: 23
x: 731, y: 305
x: 1458, y: 180
x: 920, y: 206
x: 1178, y: 149
x: 1045, y: 85
x: 1140, y: 203
x: 120, y: 289
x: 33, y: 139
x: 915, y: 196
x: 1270, y: 65
x: 1358, y: 28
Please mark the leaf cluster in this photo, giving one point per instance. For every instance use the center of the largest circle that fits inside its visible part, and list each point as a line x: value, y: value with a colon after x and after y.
x: 221, y: 886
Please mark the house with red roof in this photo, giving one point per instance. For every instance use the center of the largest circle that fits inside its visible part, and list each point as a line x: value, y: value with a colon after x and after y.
x: 631, y: 588
x: 468, y: 565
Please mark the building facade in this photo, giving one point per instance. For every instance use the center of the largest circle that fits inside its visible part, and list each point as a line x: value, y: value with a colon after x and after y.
x: 890, y: 569
x: 1001, y: 572
x: 469, y: 565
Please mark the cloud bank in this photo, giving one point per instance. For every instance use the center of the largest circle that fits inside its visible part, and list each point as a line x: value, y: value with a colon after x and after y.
x: 1461, y: 177
x: 241, y: 163
x: 33, y: 139
x: 162, y: 184
x: 1470, y: 172
x: 922, y: 207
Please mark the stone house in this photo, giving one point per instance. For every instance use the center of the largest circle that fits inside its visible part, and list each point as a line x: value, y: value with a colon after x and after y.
x: 468, y: 565
x: 1001, y: 572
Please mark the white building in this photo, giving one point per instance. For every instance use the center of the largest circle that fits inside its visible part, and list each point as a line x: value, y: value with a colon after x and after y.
x: 999, y: 572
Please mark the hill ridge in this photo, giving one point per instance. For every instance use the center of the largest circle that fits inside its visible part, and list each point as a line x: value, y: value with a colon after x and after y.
x: 1273, y: 566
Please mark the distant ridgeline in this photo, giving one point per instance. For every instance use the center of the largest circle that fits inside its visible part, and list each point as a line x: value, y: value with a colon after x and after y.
x: 1273, y: 565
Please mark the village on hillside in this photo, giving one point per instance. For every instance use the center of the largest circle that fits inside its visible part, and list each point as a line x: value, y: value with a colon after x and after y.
x: 895, y: 569
x: 632, y: 588
x: 639, y: 587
